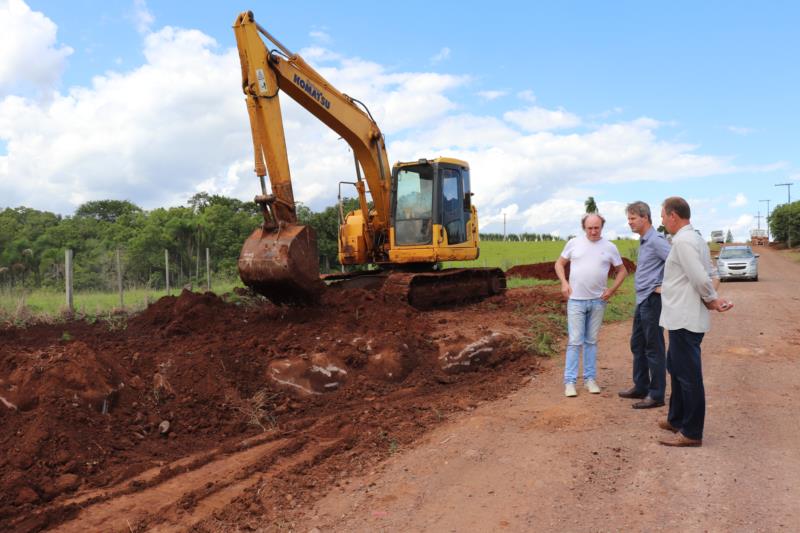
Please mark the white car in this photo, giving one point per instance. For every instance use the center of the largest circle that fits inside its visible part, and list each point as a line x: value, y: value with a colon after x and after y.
x: 737, y: 262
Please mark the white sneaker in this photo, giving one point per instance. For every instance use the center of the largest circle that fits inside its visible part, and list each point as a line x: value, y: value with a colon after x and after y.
x: 569, y: 390
x: 591, y: 386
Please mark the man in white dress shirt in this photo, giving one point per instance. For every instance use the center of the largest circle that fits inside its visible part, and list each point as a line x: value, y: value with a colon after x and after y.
x: 687, y: 294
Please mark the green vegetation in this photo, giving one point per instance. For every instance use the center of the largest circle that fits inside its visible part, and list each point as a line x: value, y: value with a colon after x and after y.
x: 91, y: 304
x: 622, y: 304
x: 506, y: 254
x: 513, y: 283
x: 784, y: 223
x: 32, y: 245
x: 545, y: 329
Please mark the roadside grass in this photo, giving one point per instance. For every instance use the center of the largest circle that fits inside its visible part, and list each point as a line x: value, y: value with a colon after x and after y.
x: 794, y: 255
x: 547, y: 327
x: 623, y: 303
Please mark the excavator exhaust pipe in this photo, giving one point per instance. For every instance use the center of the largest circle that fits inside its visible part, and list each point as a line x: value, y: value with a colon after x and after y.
x: 282, y: 264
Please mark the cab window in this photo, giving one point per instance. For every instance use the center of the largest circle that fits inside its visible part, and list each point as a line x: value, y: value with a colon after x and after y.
x: 414, y: 207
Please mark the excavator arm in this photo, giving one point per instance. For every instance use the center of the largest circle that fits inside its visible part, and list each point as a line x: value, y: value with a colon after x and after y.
x: 265, y: 74
x: 280, y: 259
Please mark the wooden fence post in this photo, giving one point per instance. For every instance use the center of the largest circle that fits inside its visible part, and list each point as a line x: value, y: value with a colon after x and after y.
x: 166, y: 268
x: 208, y: 270
x: 119, y: 281
x: 68, y: 278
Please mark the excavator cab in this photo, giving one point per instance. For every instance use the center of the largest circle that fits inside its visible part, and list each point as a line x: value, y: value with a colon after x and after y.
x: 432, y: 215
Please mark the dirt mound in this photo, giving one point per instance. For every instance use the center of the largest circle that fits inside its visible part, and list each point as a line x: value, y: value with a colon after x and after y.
x: 547, y: 270
x: 89, y: 409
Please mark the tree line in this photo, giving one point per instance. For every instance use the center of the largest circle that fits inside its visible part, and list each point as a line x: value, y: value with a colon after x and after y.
x: 519, y: 237
x: 32, y: 242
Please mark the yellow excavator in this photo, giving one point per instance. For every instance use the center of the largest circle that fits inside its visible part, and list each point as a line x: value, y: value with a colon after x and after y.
x: 421, y: 211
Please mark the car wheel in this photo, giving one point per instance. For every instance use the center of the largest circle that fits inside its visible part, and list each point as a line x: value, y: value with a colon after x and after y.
x: 755, y: 278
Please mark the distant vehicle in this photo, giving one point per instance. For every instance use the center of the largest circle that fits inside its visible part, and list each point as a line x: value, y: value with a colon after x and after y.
x: 717, y: 236
x: 737, y: 262
x: 758, y: 237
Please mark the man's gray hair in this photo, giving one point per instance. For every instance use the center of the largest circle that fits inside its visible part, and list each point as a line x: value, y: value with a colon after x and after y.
x: 587, y: 215
x: 639, y: 208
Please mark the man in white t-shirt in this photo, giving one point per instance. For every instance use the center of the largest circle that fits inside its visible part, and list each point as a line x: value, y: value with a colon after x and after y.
x: 587, y: 292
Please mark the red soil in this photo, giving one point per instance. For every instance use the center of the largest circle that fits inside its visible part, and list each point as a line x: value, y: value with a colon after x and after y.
x: 86, y: 408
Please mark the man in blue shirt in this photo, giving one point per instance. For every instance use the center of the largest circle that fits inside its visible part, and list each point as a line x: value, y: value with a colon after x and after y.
x: 647, y: 338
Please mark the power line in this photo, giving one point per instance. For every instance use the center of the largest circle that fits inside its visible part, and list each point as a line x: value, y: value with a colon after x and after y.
x: 788, y: 189
x: 767, y: 217
x: 759, y: 217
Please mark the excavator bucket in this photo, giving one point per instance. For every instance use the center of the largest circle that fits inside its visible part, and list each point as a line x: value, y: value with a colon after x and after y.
x: 282, y: 264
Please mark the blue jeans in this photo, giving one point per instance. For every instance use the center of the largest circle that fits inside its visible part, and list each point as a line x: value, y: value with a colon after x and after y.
x: 584, y: 318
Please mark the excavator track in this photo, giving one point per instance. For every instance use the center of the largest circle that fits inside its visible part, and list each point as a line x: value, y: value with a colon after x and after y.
x: 444, y: 288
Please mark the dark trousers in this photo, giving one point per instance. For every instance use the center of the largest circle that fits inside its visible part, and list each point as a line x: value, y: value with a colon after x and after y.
x: 647, y: 345
x: 687, y: 402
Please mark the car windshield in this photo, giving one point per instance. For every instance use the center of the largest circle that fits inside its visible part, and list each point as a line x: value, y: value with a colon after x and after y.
x: 736, y: 253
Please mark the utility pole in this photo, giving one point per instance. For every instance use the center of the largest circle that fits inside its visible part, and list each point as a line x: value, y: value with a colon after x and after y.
x: 759, y: 217
x: 504, y: 227
x: 767, y: 217
x: 788, y: 190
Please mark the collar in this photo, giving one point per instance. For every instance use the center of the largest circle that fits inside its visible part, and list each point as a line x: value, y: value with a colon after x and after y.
x: 687, y: 227
x: 648, y: 234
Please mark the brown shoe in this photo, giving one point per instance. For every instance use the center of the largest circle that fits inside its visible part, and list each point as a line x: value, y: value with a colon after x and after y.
x: 648, y: 403
x: 632, y: 393
x: 664, y: 424
x: 681, y: 441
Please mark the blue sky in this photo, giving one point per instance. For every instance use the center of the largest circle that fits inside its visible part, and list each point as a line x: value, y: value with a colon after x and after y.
x: 549, y: 103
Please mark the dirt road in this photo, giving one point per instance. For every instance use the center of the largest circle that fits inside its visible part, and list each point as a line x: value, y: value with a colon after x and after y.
x: 539, y: 461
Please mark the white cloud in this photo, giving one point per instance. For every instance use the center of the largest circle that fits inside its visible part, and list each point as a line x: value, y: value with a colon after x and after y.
x: 740, y: 130
x: 440, y: 56
x: 148, y: 135
x: 492, y: 95
x: 540, y: 119
x: 320, y: 36
x: 739, y: 201
x: 607, y: 113
x: 29, y: 55
x: 527, y: 95
x: 177, y: 124
x: 142, y: 16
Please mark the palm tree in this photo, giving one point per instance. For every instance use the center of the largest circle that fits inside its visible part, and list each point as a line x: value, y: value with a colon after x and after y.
x: 591, y: 206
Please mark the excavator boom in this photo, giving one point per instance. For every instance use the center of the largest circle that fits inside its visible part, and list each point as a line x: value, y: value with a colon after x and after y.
x: 280, y: 259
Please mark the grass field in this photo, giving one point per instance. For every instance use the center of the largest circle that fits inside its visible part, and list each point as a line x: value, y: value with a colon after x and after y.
x: 89, y: 303
x: 508, y: 254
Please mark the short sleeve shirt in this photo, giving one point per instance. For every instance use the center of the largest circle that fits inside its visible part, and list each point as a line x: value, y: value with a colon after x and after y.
x: 590, y: 262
